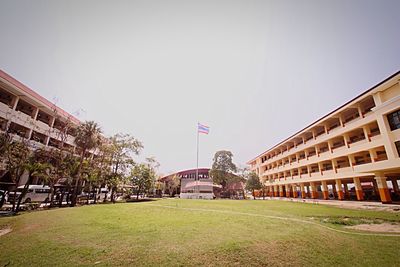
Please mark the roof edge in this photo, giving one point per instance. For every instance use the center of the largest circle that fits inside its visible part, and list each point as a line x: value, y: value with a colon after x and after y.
x: 330, y: 113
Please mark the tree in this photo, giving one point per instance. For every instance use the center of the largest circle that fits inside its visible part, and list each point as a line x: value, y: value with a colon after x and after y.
x: 223, y: 169
x: 121, y: 150
x: 88, y: 136
x: 253, y: 183
x: 16, y: 154
x: 263, y: 190
x: 35, y: 168
x: 142, y: 177
x: 5, y: 141
x: 173, y: 185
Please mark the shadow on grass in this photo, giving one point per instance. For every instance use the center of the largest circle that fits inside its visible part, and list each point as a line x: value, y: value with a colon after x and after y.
x: 7, y: 213
x: 141, y: 200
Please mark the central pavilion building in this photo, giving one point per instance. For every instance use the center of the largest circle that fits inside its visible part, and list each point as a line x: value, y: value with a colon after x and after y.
x: 340, y: 155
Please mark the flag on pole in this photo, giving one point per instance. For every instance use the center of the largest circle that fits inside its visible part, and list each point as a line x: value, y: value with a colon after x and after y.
x: 202, y: 128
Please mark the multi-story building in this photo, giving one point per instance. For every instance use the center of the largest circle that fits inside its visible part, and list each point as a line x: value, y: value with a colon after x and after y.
x: 355, y: 145
x: 189, y: 186
x: 28, y: 116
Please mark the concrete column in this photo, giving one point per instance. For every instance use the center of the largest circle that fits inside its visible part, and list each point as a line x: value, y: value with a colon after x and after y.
x: 352, y: 160
x: 314, y: 193
x: 334, y: 191
x: 339, y: 189
x: 317, y: 150
x: 271, y: 191
x: 383, y: 189
x: 15, y: 103
x: 384, y: 128
x: 29, y: 134
x: 367, y: 133
x: 35, y: 114
x: 320, y: 168
x: 287, y: 187
x: 346, y: 191
x: 359, y: 191
x: 346, y: 139
x: 325, y: 191
x: 341, y: 120
x: 276, y: 193
x: 303, y: 193
x: 308, y: 191
x: 294, y: 191
x: 52, y: 120
x: 334, y: 165
x: 360, y: 111
x: 330, y: 145
x: 375, y: 185
x: 326, y: 129
x: 373, y: 155
x: 281, y: 191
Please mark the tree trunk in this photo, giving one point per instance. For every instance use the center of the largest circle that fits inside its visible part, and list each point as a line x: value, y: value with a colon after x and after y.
x: 95, y: 196
x: 62, y: 193
x: 67, y: 199
x: 254, y: 195
x: 16, y: 188
x: 14, y: 198
x: 51, y: 195
x: 77, y: 180
x: 112, y: 194
x: 105, y: 197
x: 23, y: 193
x: 137, y: 193
x: 90, y: 189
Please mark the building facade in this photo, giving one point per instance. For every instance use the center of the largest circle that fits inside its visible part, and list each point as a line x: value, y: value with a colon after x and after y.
x: 192, y: 188
x: 353, y: 148
x: 27, y: 116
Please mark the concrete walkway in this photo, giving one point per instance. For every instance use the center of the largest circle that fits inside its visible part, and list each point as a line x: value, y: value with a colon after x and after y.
x: 368, y: 205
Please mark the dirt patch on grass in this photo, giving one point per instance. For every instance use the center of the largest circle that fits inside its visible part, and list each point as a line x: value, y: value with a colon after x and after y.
x: 5, y: 231
x: 382, y: 227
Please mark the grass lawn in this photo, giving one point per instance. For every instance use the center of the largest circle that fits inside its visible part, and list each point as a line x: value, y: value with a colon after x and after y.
x: 197, y: 232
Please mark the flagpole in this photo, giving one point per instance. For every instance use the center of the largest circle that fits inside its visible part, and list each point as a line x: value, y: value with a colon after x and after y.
x: 197, y: 161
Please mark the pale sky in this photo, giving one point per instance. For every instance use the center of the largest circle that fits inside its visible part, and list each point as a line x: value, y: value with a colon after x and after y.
x: 254, y: 71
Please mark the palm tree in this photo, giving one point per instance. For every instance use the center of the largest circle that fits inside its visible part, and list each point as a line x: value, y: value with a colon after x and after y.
x: 34, y: 169
x: 88, y: 136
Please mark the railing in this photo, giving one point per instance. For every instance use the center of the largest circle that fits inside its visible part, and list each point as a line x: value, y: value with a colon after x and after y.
x: 320, y: 138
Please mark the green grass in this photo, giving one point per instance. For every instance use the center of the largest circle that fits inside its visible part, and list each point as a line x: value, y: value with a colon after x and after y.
x: 197, y: 232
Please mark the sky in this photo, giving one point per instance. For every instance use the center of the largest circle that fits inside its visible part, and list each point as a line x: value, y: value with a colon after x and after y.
x: 255, y: 72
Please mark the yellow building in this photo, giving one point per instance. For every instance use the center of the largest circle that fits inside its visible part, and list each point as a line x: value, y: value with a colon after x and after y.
x: 340, y: 154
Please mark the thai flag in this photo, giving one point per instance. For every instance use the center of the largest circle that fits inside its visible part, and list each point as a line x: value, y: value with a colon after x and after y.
x: 202, y: 128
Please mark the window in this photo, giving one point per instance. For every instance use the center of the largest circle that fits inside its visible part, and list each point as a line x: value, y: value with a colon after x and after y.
x: 397, y: 143
x: 394, y: 120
